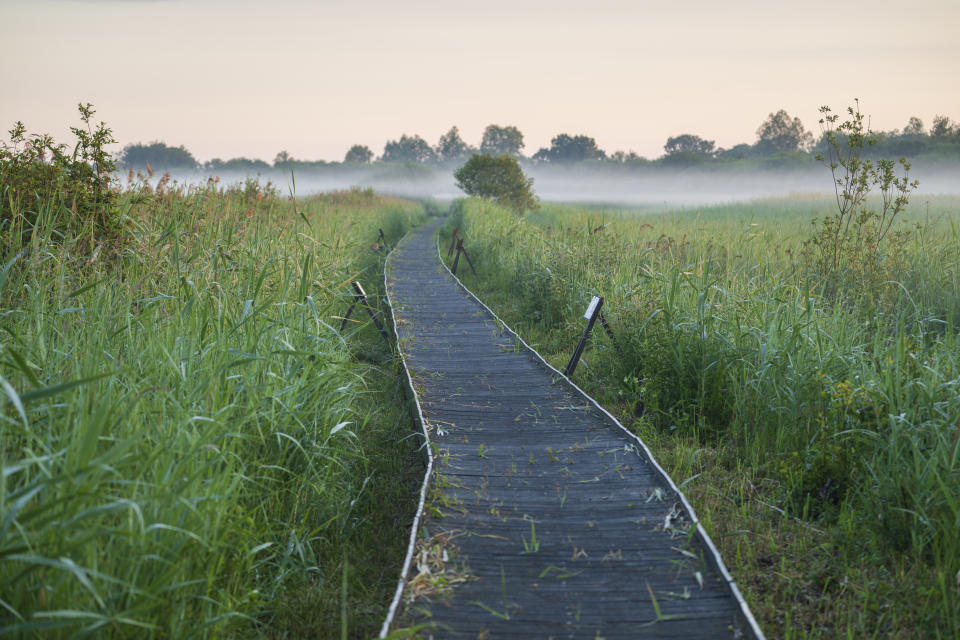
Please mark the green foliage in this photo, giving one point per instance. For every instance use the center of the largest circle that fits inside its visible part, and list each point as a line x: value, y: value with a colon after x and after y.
x: 73, y: 191
x: 283, y: 160
x: 914, y: 127
x: 565, y: 149
x: 188, y: 447
x: 359, y: 154
x: 943, y: 128
x: 780, y: 133
x: 501, y: 140
x: 408, y: 149
x: 236, y: 164
x: 854, y: 247
x: 497, y: 178
x: 451, y: 147
x: 157, y: 155
x: 688, y: 143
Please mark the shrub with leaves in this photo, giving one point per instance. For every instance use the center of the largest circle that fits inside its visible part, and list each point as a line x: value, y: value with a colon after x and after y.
x: 40, y: 178
x: 497, y: 178
x: 855, y: 247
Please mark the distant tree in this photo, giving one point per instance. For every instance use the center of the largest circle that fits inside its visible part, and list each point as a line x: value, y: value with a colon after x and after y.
x: 624, y: 157
x: 780, y: 132
x: 942, y: 127
x: 451, y: 147
x: 236, y: 164
x: 497, y: 178
x: 282, y: 159
x: 688, y: 143
x: 499, y: 140
x: 914, y: 127
x: 408, y: 149
x: 359, y: 154
x: 736, y: 152
x: 158, y: 155
x: 565, y: 149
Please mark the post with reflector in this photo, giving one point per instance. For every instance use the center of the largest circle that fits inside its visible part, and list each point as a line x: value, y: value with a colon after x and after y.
x: 592, y: 313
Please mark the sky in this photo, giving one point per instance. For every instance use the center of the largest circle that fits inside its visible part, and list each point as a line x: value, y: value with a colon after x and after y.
x: 313, y: 77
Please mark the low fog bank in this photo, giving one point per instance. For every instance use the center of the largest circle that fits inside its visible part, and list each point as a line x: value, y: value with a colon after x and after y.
x: 621, y: 185
x: 705, y: 186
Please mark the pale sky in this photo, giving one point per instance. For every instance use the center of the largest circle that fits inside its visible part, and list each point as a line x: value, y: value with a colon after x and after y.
x: 230, y: 78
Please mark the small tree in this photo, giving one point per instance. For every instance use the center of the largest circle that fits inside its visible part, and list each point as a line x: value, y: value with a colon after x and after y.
x: 780, y: 132
x: 497, y: 178
x: 359, y: 154
x: 499, y: 140
x: 849, y: 245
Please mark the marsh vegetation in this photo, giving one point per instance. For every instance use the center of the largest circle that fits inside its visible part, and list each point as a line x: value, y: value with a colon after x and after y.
x: 190, y: 447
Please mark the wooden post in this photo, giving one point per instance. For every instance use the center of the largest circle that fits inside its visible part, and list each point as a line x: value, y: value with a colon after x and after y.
x: 360, y: 297
x: 453, y: 241
x: 462, y: 249
x: 456, y: 260
x: 593, y: 311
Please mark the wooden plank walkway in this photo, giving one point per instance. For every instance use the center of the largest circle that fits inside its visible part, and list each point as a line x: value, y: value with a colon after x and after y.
x: 558, y: 521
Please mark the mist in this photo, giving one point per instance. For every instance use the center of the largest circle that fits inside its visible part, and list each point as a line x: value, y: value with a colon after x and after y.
x: 644, y: 186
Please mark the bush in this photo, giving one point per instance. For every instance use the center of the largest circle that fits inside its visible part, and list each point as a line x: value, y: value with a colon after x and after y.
x: 497, y: 178
x: 74, y: 190
x: 854, y: 249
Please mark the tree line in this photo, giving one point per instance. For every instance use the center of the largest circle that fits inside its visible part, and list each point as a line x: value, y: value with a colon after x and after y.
x: 781, y: 140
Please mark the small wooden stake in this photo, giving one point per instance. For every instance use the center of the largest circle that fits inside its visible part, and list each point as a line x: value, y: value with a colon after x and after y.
x: 453, y: 241
x: 360, y: 297
x: 456, y: 260
x: 593, y: 311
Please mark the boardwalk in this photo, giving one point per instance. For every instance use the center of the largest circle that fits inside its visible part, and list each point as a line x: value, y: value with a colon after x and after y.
x: 554, y: 522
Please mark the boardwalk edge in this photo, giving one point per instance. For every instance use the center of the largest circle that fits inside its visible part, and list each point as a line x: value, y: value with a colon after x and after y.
x: 691, y: 514
x: 415, y: 529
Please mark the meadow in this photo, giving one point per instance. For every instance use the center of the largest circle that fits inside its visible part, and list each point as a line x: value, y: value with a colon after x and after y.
x: 813, y: 418
x: 190, y: 447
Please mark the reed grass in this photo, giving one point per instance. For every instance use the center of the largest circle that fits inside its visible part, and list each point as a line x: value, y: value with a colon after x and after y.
x: 190, y: 448
x: 815, y: 430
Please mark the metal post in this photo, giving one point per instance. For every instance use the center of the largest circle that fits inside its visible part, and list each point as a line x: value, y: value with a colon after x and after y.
x: 591, y: 315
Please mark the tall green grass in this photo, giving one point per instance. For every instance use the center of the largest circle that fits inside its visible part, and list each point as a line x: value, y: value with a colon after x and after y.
x: 189, y: 446
x: 834, y: 413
